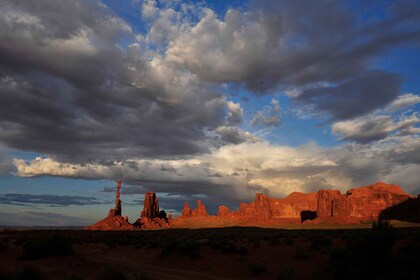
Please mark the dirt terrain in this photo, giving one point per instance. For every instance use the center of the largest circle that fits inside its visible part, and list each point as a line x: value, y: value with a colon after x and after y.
x: 223, y: 253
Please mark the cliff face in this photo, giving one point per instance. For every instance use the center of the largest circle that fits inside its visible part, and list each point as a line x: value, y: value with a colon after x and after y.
x: 368, y: 201
x: 151, y: 206
x: 325, y: 206
x: 150, y: 216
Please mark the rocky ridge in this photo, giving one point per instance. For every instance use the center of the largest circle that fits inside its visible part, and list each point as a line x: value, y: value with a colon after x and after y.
x: 362, y: 204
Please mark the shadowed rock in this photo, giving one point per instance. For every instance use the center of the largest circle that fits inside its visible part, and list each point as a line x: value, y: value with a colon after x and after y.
x: 307, y: 215
x: 151, y: 206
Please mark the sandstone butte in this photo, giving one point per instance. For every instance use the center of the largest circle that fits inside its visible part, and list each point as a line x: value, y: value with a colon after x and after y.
x: 358, y: 205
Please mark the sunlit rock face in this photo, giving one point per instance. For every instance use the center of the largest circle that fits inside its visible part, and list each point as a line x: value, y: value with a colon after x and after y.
x: 151, y: 206
x: 368, y: 201
x: 150, y: 216
x: 325, y: 206
x: 114, y: 221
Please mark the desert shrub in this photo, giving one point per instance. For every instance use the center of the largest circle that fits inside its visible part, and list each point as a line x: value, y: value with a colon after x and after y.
x: 243, y: 251
x: 5, y: 275
x: 228, y: 246
x: 286, y: 273
x: 112, y: 273
x: 289, y: 241
x: 274, y: 242
x: 367, y: 254
x: 319, y: 242
x: 188, y: 246
x: 141, y: 276
x: 31, y: 273
x: 43, y: 247
x: 302, y: 253
x: 257, y: 268
x: 73, y: 277
x: 194, y: 255
x: 3, y: 247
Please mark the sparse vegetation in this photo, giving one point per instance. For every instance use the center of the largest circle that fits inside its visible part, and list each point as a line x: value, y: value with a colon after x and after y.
x: 43, y: 247
x: 31, y: 273
x: 112, y: 273
x: 257, y: 268
x: 380, y: 252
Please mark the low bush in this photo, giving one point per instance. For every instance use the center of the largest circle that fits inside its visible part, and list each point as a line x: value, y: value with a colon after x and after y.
x: 43, y: 247
x: 31, y: 273
x: 112, y: 273
x: 257, y: 268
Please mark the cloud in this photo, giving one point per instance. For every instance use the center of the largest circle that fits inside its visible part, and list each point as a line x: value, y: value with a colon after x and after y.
x: 36, y: 218
x: 6, y: 162
x: 403, y: 101
x: 80, y: 85
x: 247, y: 168
x: 267, y: 48
x: 77, y: 91
x: 354, y: 97
x: 269, y: 117
x: 51, y: 200
x: 379, y: 125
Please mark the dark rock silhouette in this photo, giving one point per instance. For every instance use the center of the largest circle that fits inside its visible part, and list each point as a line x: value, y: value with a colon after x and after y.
x: 407, y: 211
x: 307, y: 215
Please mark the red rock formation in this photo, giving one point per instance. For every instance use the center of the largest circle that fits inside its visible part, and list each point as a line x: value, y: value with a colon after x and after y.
x: 223, y: 211
x: 118, y: 208
x: 367, y: 202
x: 200, y: 211
x: 325, y: 206
x: 150, y: 216
x: 331, y: 203
x: 186, y: 212
x: 114, y: 221
x: 151, y: 206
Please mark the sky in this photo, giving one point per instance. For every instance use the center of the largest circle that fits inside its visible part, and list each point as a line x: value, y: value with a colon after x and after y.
x: 211, y: 100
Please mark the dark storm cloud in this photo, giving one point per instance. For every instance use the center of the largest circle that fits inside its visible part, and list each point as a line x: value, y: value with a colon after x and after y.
x: 305, y: 45
x: 51, y: 200
x: 356, y: 96
x: 68, y: 90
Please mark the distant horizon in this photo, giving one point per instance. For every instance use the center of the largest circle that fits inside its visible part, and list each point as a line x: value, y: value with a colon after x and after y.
x: 212, y: 100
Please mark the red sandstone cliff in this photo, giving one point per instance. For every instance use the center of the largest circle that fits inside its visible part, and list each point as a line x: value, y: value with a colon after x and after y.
x: 150, y: 216
x: 325, y: 206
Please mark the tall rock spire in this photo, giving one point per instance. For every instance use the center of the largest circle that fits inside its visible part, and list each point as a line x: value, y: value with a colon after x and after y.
x: 118, y: 208
x: 151, y: 206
